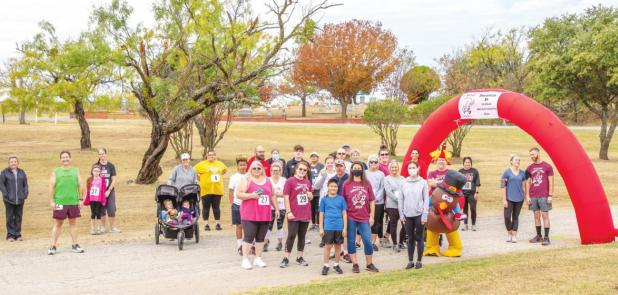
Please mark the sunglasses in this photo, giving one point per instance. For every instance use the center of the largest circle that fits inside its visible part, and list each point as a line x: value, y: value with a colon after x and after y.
x: 384, y: 154
x: 340, y: 153
x: 302, y: 169
x: 373, y: 162
x: 256, y: 168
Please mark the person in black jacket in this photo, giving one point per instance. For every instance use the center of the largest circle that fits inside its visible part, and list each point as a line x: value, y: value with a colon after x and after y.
x: 14, y: 187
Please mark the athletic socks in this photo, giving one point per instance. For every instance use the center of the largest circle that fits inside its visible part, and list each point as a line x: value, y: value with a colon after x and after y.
x: 538, y: 231
x: 547, y: 232
x: 239, y: 242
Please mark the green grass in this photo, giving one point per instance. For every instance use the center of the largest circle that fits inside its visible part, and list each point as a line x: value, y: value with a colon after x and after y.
x: 575, y: 270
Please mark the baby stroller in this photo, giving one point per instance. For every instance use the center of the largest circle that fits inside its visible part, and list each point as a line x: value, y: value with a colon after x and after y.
x: 177, y: 230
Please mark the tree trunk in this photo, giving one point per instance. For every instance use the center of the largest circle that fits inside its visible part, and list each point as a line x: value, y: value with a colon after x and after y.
x: 150, y: 171
x: 303, y: 101
x: 605, y: 137
x: 344, y: 108
x: 80, y: 115
x: 22, y: 116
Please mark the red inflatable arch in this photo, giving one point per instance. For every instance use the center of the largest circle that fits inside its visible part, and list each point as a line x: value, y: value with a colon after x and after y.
x: 580, y: 177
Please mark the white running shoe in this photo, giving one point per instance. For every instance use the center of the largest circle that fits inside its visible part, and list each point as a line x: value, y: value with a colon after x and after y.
x: 246, y: 264
x: 115, y: 230
x: 259, y: 262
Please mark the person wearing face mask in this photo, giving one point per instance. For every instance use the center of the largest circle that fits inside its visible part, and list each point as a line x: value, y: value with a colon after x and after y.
x: 513, y: 188
x: 376, y: 178
x: 360, y: 200
x: 260, y: 155
x: 413, y: 209
x: 470, y: 191
x: 275, y: 157
x: 14, y: 187
x: 415, y: 157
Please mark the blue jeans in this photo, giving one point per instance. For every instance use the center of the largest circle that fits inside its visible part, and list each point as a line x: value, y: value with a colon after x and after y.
x: 365, y: 233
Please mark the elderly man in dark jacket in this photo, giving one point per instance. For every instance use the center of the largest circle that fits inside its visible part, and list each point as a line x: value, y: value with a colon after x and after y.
x: 14, y: 187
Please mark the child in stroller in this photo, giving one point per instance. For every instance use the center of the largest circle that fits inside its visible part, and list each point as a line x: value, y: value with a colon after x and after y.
x: 169, y: 214
x: 187, y: 213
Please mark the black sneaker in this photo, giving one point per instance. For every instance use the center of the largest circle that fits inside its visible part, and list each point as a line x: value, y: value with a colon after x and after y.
x: 218, y: 227
x: 346, y: 258
x: 546, y: 241
x: 301, y: 261
x: 375, y: 248
x: 207, y: 227
x: 265, y: 249
x: 355, y: 268
x: 52, y: 250
x: 418, y: 265
x: 325, y: 270
x: 284, y: 263
x: 410, y: 265
x: 279, y: 247
x: 372, y: 268
x: 536, y: 239
x: 322, y: 244
x: 77, y: 249
x: 338, y: 269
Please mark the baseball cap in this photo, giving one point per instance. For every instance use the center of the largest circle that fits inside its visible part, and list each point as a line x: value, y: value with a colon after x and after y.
x: 345, y: 146
x: 185, y: 156
x: 314, y: 154
x: 339, y: 162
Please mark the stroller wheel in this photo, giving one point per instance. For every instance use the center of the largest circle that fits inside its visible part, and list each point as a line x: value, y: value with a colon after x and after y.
x: 181, y: 239
x: 157, y: 233
x: 196, y: 232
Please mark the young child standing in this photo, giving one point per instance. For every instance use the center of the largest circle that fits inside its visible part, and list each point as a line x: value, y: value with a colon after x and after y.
x: 95, y: 198
x: 333, y: 225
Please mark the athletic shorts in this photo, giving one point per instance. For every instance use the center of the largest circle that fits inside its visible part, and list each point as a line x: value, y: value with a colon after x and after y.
x: 539, y: 204
x: 333, y: 237
x: 62, y: 212
x: 236, y: 215
x: 110, y: 208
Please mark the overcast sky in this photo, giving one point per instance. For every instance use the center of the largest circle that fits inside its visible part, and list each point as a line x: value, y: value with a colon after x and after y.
x: 429, y: 27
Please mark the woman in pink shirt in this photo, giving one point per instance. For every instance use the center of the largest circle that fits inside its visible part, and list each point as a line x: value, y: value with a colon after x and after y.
x: 256, y: 193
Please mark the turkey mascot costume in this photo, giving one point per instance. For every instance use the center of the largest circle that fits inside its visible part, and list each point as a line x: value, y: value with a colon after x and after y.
x: 441, y: 219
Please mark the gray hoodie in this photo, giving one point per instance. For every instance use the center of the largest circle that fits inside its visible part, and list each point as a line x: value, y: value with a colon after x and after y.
x: 376, y: 179
x: 392, y: 191
x: 180, y: 177
x: 414, y: 199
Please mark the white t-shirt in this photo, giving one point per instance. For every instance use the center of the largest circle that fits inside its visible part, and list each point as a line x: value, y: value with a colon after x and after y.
x: 234, y: 181
x: 279, y: 188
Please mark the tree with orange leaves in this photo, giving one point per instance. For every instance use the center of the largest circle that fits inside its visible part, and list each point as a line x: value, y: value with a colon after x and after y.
x: 347, y: 58
x: 295, y: 84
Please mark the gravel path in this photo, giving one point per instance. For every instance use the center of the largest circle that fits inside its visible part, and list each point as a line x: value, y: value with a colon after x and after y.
x: 213, y: 267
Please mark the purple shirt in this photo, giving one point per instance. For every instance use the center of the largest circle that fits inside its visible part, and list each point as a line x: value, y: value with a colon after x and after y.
x: 298, y: 191
x: 358, y: 197
x: 539, y: 179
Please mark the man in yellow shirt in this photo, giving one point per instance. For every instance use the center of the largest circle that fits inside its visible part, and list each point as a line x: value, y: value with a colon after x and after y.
x: 210, y: 173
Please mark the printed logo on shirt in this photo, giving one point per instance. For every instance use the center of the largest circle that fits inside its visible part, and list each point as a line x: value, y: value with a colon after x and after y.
x: 359, y: 197
x: 537, y: 176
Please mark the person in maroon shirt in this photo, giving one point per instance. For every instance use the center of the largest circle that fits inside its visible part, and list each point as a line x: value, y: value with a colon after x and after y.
x: 414, y: 157
x: 539, y: 192
x: 385, y: 159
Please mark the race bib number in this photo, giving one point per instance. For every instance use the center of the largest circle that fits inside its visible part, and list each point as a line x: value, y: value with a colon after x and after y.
x: 467, y: 186
x: 302, y: 199
x: 264, y: 200
x: 58, y: 207
x: 94, y: 191
x: 215, y: 178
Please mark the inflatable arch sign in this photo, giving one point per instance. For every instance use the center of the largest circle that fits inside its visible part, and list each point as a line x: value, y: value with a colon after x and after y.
x: 592, y: 208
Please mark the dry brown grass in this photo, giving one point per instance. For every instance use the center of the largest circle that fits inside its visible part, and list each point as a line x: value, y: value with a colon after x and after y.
x: 38, y: 145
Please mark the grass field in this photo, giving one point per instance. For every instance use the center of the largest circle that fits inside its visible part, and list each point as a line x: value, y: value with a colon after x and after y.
x: 38, y: 145
x: 575, y: 270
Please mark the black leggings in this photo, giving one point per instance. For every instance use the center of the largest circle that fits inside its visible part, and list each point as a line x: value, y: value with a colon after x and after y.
x: 254, y: 231
x: 470, y: 203
x: 296, y: 228
x: 315, y: 208
x: 215, y: 202
x: 279, y: 220
x: 378, y: 221
x: 14, y: 215
x: 393, y: 220
x: 511, y: 215
x: 96, y: 210
x: 415, y: 229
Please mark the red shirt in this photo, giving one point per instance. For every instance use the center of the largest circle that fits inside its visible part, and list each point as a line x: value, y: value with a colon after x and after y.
x: 263, y: 162
x: 358, y: 197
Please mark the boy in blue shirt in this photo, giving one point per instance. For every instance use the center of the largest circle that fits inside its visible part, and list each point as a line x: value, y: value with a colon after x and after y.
x: 333, y: 224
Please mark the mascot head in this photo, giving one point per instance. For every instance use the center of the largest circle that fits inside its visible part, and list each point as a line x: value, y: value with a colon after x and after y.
x: 441, y: 154
x: 444, y: 199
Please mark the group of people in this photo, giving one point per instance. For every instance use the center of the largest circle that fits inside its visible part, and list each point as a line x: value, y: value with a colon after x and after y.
x: 67, y: 196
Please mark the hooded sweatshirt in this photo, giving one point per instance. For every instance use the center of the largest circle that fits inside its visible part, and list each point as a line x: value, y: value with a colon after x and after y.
x: 414, y: 198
